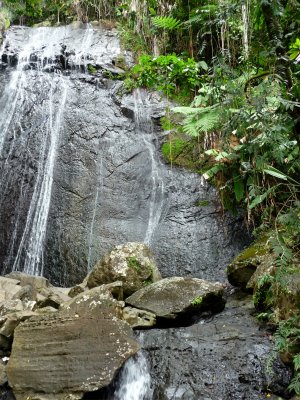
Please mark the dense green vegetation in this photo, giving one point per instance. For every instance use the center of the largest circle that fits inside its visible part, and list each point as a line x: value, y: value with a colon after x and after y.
x: 232, y: 67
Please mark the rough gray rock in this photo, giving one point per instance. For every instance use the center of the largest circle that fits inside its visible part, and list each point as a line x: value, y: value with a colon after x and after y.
x: 132, y: 264
x: 51, y: 297
x: 95, y: 300
x: 109, y: 183
x: 9, y: 322
x: 138, y: 318
x: 242, y: 268
x: 38, y: 282
x: 223, y: 357
x: 3, y: 376
x: 50, y: 353
x: 9, y: 288
x: 177, y: 297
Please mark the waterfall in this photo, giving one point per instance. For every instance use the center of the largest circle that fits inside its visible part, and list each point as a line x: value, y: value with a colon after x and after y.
x: 30, y: 252
x: 29, y: 256
x: 134, y: 380
x: 145, y: 130
x: 36, y: 70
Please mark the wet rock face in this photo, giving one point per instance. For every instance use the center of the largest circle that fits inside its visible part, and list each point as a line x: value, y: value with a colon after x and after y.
x: 223, y: 357
x: 109, y: 185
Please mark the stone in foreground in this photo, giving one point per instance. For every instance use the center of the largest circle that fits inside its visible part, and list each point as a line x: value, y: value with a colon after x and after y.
x: 175, y: 297
x: 131, y: 263
x: 62, y: 356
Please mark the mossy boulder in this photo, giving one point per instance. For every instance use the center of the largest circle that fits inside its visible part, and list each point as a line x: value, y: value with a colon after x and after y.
x: 177, y: 297
x: 287, y: 301
x: 131, y: 263
x: 240, y: 271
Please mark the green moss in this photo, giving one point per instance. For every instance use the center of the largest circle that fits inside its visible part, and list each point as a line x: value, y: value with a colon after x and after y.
x: 166, y: 123
x: 197, y: 301
x: 258, y: 249
x: 133, y: 263
x: 4, y: 20
x: 131, y: 41
x: 128, y: 86
x: 92, y: 69
x: 202, y: 203
x: 120, y: 62
x: 178, y: 151
x: 148, y: 281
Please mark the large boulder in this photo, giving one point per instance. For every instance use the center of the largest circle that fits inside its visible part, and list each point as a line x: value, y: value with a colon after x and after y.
x: 177, y: 297
x: 51, y: 297
x: 131, y: 263
x: 95, y: 300
x: 9, y: 288
x: 62, y: 355
x: 38, y: 282
x: 240, y: 271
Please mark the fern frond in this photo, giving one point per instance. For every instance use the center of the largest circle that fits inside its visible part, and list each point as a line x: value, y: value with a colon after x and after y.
x: 194, y: 125
x: 208, y: 121
x: 186, y: 110
x: 165, y: 22
x: 194, y: 110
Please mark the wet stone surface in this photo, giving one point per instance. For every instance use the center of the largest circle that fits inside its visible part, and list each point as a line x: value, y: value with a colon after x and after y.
x: 105, y: 182
x: 220, y: 358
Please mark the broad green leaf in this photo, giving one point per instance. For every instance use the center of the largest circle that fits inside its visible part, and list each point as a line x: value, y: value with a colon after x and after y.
x: 275, y: 172
x: 259, y: 199
x: 213, y: 171
x: 238, y: 187
x: 203, y: 65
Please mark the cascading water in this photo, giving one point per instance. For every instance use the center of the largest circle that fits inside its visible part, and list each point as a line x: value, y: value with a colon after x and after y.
x: 33, y: 61
x: 144, y: 127
x: 36, y: 71
x: 134, y: 380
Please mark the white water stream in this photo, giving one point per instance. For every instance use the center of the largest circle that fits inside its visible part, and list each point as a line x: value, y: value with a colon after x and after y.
x: 29, y: 257
x: 35, y: 60
x: 144, y: 127
x: 135, y: 379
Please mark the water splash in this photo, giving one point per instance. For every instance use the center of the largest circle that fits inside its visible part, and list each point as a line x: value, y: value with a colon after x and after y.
x: 142, y: 109
x: 135, y: 379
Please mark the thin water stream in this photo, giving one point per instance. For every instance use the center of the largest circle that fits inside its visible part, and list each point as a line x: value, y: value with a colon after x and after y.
x: 144, y: 126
